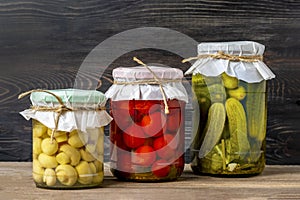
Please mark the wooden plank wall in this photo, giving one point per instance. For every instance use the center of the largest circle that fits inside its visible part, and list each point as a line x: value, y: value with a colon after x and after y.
x: 43, y: 43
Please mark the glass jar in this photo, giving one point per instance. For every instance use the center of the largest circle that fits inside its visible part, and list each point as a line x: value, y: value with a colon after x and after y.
x: 147, y: 133
x: 67, y: 148
x: 229, y: 86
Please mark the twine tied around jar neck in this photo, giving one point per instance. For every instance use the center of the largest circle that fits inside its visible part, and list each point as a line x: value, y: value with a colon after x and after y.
x: 58, y: 109
x: 158, y: 81
x: 154, y: 81
x: 230, y: 57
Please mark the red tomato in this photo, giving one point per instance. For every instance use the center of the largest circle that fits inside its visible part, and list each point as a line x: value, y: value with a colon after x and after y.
x: 134, y: 136
x: 119, y: 141
x: 166, y: 146
x: 122, y: 119
x: 162, y: 141
x: 146, y: 107
x: 137, y: 116
x: 173, y: 121
x: 160, y: 133
x: 161, y: 168
x: 144, y: 155
x: 124, y: 104
x: 159, y: 143
x: 116, y: 137
x: 122, y: 112
x: 154, y: 124
x: 174, y: 106
x: 154, y: 108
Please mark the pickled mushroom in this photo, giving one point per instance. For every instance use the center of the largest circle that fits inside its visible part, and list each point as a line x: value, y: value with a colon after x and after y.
x: 49, y: 146
x: 49, y: 177
x: 47, y: 161
x: 66, y: 174
x: 73, y: 154
x: 84, y: 172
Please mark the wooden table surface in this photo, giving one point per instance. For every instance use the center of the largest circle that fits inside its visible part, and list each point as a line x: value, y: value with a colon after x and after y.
x: 276, y: 182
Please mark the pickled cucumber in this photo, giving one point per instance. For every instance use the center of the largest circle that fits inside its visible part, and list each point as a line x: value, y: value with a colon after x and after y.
x: 237, y: 127
x: 238, y: 93
x: 229, y: 82
x: 214, y: 128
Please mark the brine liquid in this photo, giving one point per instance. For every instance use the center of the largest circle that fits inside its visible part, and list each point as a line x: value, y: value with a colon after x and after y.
x: 240, y: 149
x: 68, y: 161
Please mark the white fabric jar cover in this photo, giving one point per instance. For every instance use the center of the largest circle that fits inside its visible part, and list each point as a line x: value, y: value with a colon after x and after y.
x: 129, y: 84
x: 86, y: 113
x: 251, y: 72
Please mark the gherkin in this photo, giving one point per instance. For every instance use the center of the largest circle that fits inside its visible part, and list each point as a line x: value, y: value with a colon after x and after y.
x: 214, y: 128
x: 237, y: 127
x: 238, y: 93
x: 201, y: 80
x: 229, y: 82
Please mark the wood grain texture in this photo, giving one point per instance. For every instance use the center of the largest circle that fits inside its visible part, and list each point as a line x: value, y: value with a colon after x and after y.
x: 276, y: 182
x: 43, y: 44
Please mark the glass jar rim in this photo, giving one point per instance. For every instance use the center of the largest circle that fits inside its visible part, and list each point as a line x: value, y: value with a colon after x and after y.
x: 70, y: 95
x: 141, y: 72
x: 233, y: 47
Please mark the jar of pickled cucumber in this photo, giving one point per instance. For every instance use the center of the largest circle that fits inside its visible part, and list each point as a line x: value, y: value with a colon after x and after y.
x: 147, y: 131
x: 68, y: 137
x: 229, y: 86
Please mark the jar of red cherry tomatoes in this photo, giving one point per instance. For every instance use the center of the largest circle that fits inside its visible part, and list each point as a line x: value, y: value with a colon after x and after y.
x: 147, y: 133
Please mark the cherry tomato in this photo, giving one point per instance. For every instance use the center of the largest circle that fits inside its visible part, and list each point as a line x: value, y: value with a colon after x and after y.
x: 146, y: 107
x: 144, y: 155
x: 162, y: 141
x: 124, y: 104
x: 154, y: 124
x: 119, y: 141
x: 161, y: 168
x: 173, y: 122
x: 159, y: 143
x: 122, y: 112
x: 165, y: 146
x: 154, y: 107
x: 122, y: 119
x: 174, y: 106
x: 116, y: 136
x: 134, y: 136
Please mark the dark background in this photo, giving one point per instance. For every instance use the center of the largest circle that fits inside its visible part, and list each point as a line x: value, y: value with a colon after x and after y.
x: 43, y: 43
